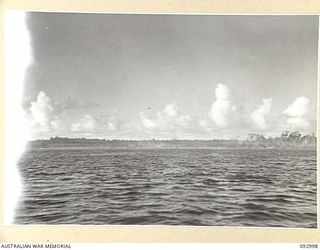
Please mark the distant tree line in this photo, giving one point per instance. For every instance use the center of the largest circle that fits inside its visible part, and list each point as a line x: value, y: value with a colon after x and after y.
x: 286, y: 140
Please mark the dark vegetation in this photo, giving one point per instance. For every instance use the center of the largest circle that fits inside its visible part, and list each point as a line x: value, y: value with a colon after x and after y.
x: 285, y: 140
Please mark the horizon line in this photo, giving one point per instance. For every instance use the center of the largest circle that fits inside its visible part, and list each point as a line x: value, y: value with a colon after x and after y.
x: 171, y: 139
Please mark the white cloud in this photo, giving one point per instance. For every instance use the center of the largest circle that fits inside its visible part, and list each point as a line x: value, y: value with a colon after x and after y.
x: 43, y: 115
x: 41, y: 109
x: 299, y: 108
x: 146, y: 121
x: 166, y: 120
x: 48, y: 118
x: 87, y: 123
x: 171, y: 110
x: 259, y: 115
x: 113, y: 124
x: 297, y: 113
x: 94, y: 124
x: 222, y: 109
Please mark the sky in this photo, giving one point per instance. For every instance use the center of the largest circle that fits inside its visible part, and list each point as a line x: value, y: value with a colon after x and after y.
x: 125, y: 76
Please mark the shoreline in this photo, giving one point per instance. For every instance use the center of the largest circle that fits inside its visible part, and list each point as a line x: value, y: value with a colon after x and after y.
x: 164, y: 147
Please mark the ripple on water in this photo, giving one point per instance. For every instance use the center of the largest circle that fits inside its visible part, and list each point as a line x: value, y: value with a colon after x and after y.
x: 203, y: 187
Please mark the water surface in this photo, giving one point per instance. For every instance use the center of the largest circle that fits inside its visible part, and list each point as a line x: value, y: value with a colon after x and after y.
x: 202, y: 187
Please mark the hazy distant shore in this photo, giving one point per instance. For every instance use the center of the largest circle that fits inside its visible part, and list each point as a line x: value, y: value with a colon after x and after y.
x: 286, y: 140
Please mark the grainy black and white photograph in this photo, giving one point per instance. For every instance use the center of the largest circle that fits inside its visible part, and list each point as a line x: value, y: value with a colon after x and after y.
x: 161, y: 119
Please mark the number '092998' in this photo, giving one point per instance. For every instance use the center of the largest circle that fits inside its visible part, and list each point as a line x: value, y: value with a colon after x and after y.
x: 308, y: 246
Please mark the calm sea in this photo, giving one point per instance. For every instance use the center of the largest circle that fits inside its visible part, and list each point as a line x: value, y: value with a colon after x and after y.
x: 202, y: 187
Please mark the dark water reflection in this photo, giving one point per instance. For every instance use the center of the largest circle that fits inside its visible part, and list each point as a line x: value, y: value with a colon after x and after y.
x: 212, y: 187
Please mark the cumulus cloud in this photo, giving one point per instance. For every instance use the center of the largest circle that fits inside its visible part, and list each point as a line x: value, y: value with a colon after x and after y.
x: 297, y: 113
x: 43, y: 115
x: 259, y: 116
x: 86, y: 123
x: 48, y: 118
x: 89, y: 123
x: 165, y: 120
x: 222, y: 109
x: 299, y: 108
x: 146, y: 122
x: 113, y: 124
x: 170, y: 110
